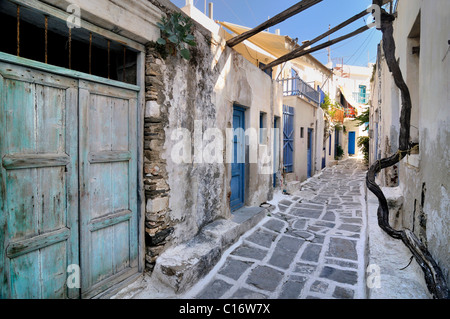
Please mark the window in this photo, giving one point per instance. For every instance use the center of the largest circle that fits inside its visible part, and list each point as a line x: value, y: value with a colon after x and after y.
x: 301, y: 132
x: 262, y: 128
x: 47, y: 39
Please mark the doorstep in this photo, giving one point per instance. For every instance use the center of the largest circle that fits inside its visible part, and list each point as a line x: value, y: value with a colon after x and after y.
x: 182, y: 266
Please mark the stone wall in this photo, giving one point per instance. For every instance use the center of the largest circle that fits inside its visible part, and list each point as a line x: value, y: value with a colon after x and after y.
x: 198, y: 95
x: 158, y: 227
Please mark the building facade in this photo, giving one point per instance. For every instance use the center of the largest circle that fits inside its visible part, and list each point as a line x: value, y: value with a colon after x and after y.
x: 115, y: 152
x: 422, y: 177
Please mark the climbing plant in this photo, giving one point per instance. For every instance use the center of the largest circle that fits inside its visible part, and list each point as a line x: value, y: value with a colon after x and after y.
x: 328, y: 106
x: 176, y: 35
x: 363, y: 119
x: 363, y: 144
x: 339, y: 152
x: 363, y: 141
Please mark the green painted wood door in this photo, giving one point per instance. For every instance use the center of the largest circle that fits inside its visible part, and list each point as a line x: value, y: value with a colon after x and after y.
x: 108, y: 186
x: 68, y: 184
x: 38, y: 183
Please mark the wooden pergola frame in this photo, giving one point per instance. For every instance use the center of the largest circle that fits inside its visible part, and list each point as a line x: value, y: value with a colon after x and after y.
x: 293, y: 10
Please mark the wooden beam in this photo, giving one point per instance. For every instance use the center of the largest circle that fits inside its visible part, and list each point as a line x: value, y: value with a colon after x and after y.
x: 63, y: 15
x: 295, y: 9
x: 298, y: 54
x: 317, y: 39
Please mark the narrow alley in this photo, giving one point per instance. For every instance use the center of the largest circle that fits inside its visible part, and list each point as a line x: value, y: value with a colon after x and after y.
x: 311, y: 245
x: 186, y: 150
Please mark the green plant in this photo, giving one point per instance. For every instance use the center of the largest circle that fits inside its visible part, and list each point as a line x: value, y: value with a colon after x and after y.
x: 363, y: 118
x: 363, y: 144
x: 328, y: 106
x: 339, y: 152
x: 176, y: 35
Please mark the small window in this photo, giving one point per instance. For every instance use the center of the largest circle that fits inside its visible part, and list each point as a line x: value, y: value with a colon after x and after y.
x: 301, y: 132
x: 262, y: 126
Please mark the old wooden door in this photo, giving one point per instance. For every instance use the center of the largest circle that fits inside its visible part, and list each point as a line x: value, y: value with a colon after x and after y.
x: 108, y: 185
x: 68, y: 182
x: 38, y: 183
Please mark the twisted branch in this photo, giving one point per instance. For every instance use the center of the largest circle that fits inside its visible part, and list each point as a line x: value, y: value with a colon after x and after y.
x: 433, y: 275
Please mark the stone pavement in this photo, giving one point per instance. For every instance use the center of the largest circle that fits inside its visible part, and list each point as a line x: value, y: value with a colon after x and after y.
x: 312, y: 245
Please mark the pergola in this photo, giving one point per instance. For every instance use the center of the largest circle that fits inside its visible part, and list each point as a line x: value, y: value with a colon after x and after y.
x: 294, y: 10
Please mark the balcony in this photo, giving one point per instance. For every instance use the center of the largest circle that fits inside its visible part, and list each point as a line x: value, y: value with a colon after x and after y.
x: 296, y: 86
x: 337, y: 115
x: 361, y: 98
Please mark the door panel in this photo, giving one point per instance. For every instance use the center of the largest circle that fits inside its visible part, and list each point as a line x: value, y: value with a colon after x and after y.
x: 38, y: 183
x: 237, y: 198
x: 108, y: 181
x: 309, y: 153
x: 275, y: 155
x: 288, y: 139
x: 351, y: 142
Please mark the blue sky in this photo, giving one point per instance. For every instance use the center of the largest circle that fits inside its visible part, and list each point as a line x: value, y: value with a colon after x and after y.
x: 305, y: 25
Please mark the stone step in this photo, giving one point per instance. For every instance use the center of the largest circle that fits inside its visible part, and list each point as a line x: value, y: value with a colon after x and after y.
x: 181, y: 266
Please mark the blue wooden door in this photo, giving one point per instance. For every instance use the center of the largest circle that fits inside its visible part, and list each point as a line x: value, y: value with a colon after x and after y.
x: 38, y: 183
x: 288, y: 139
x: 237, y: 198
x: 351, y: 142
x: 275, y: 148
x: 108, y: 186
x: 309, y: 153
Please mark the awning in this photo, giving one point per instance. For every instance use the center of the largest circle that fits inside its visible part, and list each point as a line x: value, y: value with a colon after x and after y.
x: 272, y: 43
x: 277, y: 45
x: 349, y: 98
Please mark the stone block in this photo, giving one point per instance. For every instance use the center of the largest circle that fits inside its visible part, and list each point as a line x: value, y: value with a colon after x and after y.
x: 339, y: 275
x: 157, y: 204
x: 342, y: 248
x: 152, y: 109
x: 214, y: 290
x: 181, y: 266
x: 265, y: 278
x: 292, y: 288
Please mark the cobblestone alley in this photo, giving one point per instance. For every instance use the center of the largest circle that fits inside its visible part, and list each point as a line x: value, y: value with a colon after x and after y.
x: 310, y: 246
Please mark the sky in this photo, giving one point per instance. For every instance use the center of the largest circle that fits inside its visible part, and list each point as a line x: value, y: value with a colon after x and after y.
x: 314, y: 21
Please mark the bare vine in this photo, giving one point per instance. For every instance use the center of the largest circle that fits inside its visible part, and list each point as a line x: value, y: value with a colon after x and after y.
x: 433, y: 275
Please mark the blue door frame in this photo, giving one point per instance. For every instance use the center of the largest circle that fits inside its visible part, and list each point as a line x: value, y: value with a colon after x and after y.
x: 310, y: 130
x: 237, y: 198
x: 351, y: 143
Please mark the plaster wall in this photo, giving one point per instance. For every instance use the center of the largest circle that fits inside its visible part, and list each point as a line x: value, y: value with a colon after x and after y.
x: 134, y: 19
x: 304, y: 117
x: 423, y: 177
x: 205, y: 90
